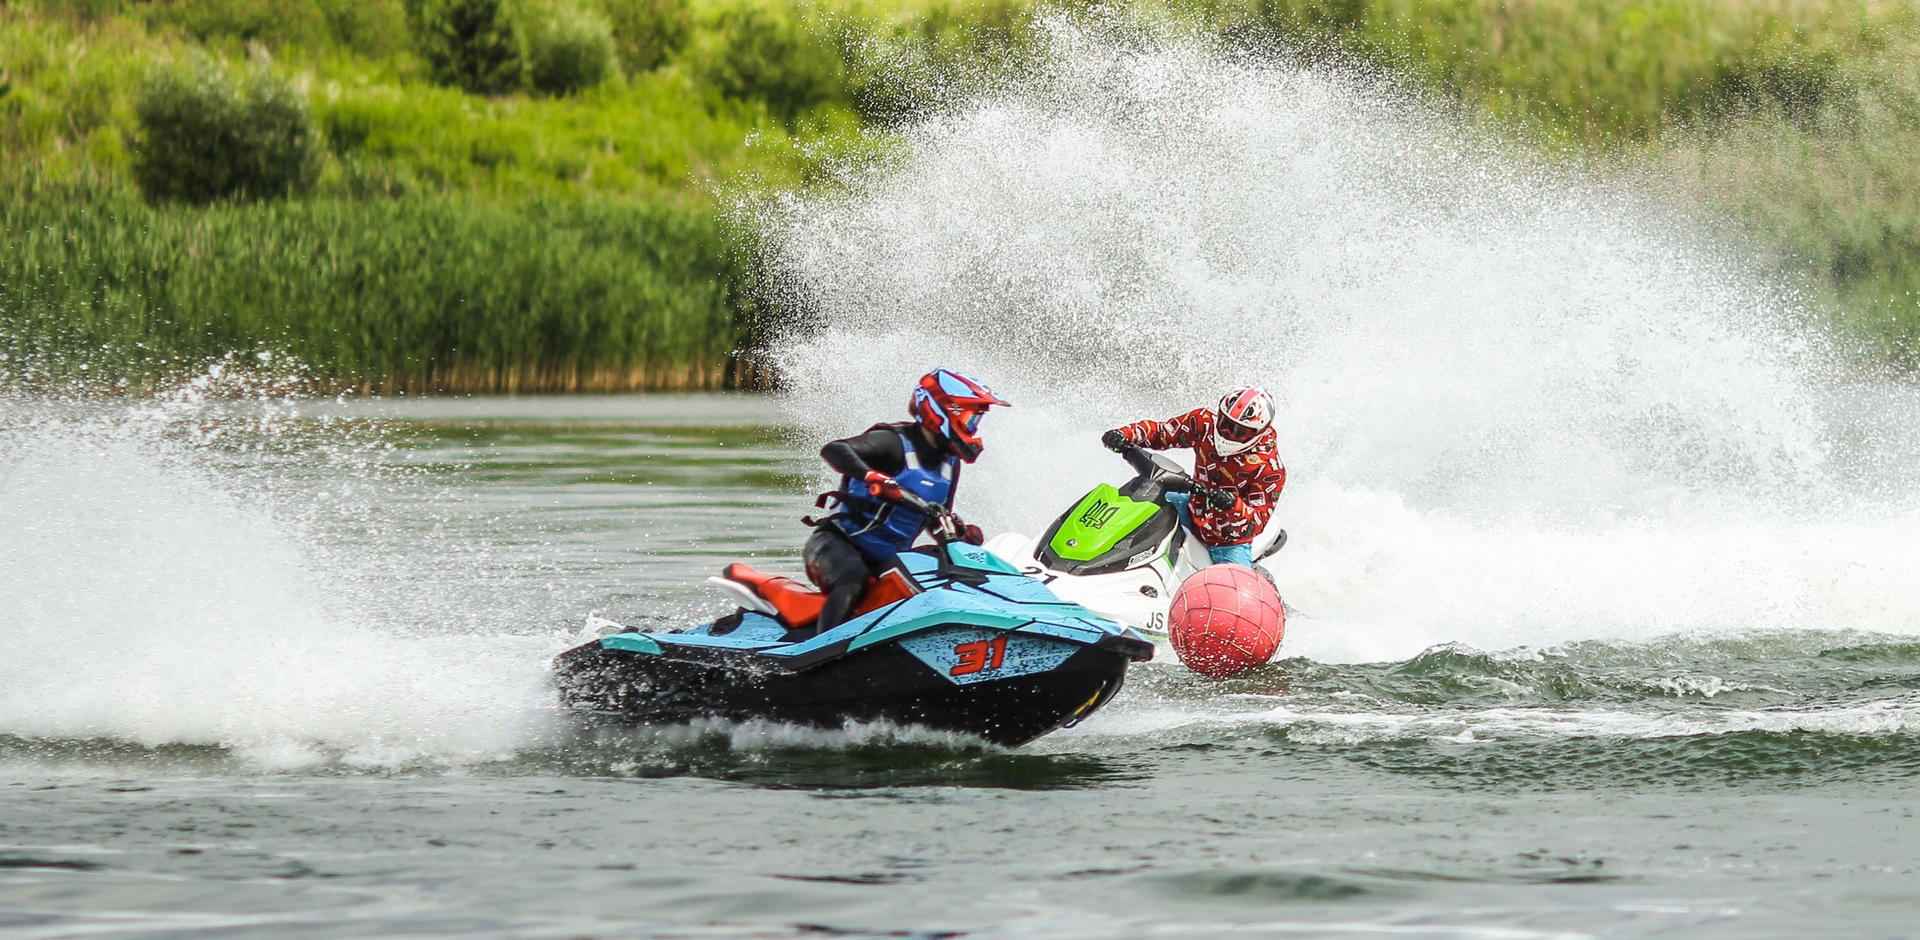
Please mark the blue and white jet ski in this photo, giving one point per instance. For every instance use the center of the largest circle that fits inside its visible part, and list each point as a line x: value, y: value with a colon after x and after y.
x: 949, y: 637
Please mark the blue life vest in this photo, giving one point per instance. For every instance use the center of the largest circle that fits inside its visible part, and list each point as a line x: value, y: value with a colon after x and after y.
x: 883, y: 529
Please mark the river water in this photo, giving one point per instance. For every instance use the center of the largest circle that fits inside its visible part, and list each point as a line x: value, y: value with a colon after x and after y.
x: 274, y: 668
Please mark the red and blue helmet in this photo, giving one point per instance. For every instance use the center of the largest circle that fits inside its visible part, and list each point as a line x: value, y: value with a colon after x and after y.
x: 949, y: 405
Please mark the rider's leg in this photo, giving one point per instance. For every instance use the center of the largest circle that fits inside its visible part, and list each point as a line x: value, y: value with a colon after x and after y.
x: 1180, y: 501
x: 1241, y: 554
x: 838, y: 569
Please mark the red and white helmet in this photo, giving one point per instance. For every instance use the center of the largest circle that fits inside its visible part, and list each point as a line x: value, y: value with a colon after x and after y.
x: 1245, y: 413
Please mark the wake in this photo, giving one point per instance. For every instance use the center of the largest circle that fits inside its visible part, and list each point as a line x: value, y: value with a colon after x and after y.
x: 1519, y: 406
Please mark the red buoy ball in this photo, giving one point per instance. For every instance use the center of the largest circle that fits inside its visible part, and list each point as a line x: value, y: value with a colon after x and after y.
x: 1225, y: 620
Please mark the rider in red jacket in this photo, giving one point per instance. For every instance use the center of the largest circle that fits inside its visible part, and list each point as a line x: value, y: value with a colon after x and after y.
x: 1234, y: 453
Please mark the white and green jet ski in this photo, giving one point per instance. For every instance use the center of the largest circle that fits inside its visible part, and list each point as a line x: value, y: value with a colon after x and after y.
x: 1121, y: 552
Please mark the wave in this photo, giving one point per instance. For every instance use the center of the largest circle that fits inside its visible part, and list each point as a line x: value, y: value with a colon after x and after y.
x: 166, y: 585
x: 1519, y: 405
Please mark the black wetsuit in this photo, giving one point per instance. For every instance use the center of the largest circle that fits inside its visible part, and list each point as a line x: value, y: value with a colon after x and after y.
x: 834, y: 563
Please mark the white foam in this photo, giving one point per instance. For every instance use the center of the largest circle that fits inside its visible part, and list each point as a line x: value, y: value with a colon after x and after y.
x: 146, y: 602
x: 1518, y: 406
x: 1350, y: 718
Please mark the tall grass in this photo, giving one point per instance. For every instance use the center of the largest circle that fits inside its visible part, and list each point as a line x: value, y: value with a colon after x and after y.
x: 1591, y: 73
x: 429, y: 292
x: 1837, y: 193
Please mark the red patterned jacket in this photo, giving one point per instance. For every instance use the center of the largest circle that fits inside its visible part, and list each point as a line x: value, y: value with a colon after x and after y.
x: 1255, y: 475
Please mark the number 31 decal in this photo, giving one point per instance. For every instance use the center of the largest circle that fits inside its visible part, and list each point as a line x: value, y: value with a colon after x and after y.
x: 979, y: 655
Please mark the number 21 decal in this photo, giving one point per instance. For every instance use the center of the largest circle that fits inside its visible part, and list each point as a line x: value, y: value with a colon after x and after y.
x: 979, y: 655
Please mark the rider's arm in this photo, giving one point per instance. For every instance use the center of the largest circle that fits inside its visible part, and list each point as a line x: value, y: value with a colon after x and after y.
x: 1253, y: 499
x: 1180, y: 431
x: 878, y: 449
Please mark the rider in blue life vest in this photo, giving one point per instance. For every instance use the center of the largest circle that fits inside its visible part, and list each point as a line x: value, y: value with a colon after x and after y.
x: 850, y: 546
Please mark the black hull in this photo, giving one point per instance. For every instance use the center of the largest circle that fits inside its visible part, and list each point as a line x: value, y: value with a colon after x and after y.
x: 883, y: 683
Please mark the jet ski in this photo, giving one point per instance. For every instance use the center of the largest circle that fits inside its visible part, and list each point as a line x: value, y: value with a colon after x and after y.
x: 1121, y: 551
x: 950, y: 637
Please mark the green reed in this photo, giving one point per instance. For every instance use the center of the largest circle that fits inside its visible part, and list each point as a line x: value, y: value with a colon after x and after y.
x: 420, y: 293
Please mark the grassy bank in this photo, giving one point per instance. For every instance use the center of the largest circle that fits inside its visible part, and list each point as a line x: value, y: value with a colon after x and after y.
x: 530, y: 239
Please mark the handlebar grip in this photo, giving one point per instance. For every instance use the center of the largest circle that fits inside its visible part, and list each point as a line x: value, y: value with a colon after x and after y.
x: 939, y: 520
x: 913, y: 501
x: 1136, y: 457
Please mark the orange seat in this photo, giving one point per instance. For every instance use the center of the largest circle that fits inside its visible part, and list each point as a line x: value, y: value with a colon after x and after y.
x: 799, y: 605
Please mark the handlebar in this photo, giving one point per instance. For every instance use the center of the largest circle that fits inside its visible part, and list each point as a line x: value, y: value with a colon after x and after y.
x: 942, y: 524
x: 1142, y: 463
x: 1171, y: 481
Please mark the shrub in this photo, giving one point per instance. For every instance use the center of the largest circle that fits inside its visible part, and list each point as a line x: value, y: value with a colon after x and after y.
x: 204, y: 137
x: 647, y: 32
x: 568, y: 51
x: 770, y: 56
x: 470, y: 44
x: 953, y: 49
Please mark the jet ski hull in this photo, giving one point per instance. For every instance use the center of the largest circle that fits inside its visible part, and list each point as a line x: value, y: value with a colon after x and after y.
x: 978, y: 649
x: 885, y: 684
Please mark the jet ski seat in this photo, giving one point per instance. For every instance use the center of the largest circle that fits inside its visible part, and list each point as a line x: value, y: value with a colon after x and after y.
x: 798, y: 605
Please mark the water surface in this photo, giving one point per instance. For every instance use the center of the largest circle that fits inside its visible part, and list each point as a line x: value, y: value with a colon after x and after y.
x: 276, y: 669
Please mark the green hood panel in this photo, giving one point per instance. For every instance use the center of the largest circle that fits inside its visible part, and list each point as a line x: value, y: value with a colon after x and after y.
x: 1098, y: 524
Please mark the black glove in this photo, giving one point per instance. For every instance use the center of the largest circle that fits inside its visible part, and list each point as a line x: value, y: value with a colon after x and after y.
x: 960, y: 530
x: 942, y: 523
x: 1221, y: 500
x: 1114, y: 441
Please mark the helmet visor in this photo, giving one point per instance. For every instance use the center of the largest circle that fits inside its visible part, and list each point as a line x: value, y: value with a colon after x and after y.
x: 1235, y: 431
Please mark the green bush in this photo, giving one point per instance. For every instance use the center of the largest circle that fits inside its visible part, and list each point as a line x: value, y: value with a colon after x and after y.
x: 470, y: 44
x: 204, y: 137
x: 770, y: 55
x: 952, y: 48
x: 647, y: 32
x: 569, y: 50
